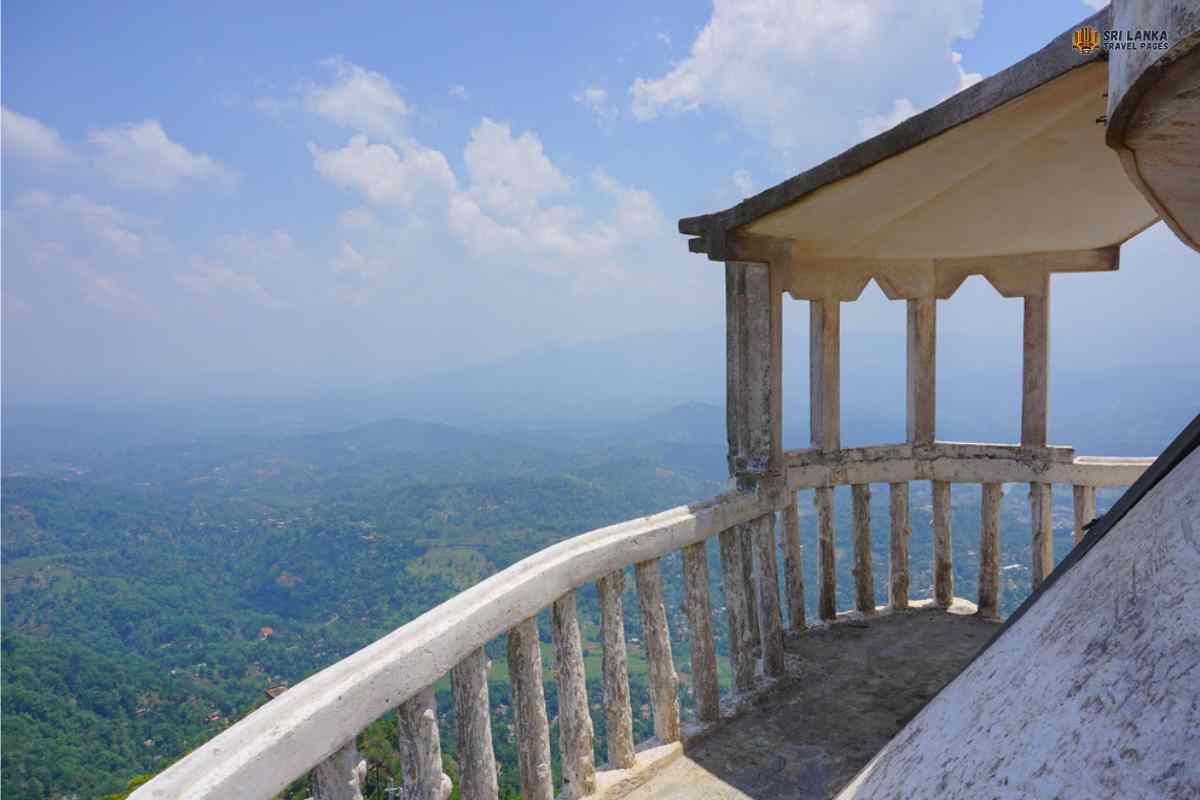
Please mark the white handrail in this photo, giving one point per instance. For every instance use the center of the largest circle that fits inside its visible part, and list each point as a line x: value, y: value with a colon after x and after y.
x: 958, y: 462
x: 282, y: 740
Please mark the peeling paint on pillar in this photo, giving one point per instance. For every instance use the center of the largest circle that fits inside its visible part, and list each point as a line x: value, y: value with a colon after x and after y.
x: 1085, y: 510
x: 898, y: 545
x: 1043, y: 532
x: 989, y: 550
x: 793, y: 566
x: 473, y: 724
x: 770, y: 617
x: 529, y: 710
x: 421, y: 747
x: 574, y: 721
x: 664, y: 696
x: 864, y: 578
x: 943, y: 552
x: 737, y: 612
x: 699, y: 613
x: 827, y: 602
x: 618, y: 715
x: 340, y: 777
x: 745, y: 535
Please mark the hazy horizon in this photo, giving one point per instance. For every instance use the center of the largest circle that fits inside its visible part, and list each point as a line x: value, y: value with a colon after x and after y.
x: 354, y: 212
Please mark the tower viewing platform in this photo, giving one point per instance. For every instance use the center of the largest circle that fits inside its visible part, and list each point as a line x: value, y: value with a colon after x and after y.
x: 1043, y: 169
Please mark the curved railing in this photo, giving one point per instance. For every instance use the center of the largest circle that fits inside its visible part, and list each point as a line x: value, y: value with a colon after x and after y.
x: 313, y: 725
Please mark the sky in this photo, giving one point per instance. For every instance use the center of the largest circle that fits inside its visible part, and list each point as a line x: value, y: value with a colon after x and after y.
x: 279, y: 196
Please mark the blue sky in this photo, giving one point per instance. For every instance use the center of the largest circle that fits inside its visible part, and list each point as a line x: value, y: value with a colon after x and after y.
x: 344, y: 192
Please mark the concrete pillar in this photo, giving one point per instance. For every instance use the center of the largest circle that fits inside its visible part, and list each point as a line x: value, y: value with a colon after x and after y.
x: 824, y: 385
x: 793, y: 566
x: 754, y: 376
x: 770, y: 616
x: 737, y: 610
x: 472, y: 711
x: 1035, y: 410
x: 824, y: 374
x: 340, y: 777
x: 529, y: 711
x: 618, y: 715
x: 574, y: 720
x: 864, y: 579
x: 1085, y: 509
x: 922, y: 370
x: 421, y: 747
x: 827, y: 572
x: 943, y: 560
x: 1035, y: 375
x: 745, y: 535
x: 1043, y: 530
x: 901, y: 530
x: 663, y: 683
x: 699, y: 614
x: 989, y: 550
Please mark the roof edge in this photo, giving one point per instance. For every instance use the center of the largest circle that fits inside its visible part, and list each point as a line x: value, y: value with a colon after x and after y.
x: 1055, y: 59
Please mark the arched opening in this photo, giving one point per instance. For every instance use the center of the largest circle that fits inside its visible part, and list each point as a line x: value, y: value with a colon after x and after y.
x: 873, y: 369
x: 979, y: 365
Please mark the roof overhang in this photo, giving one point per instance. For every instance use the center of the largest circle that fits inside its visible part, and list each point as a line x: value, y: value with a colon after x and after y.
x: 1013, y: 170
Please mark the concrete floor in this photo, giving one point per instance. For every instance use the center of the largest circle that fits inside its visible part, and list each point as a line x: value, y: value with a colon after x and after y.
x: 849, y: 689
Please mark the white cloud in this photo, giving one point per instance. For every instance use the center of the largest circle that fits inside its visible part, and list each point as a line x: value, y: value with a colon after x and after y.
x: 349, y: 261
x: 742, y: 182
x: 665, y: 38
x: 902, y: 109
x: 596, y: 99
x: 109, y: 293
x: 208, y: 277
x: 1095, y: 5
x: 637, y: 215
x: 245, y: 265
x: 409, y: 176
x: 513, y: 206
x: 783, y: 67
x: 26, y: 137
x: 71, y: 241
x: 510, y: 175
x: 273, y: 106
x: 141, y: 155
x: 358, y: 271
x: 460, y: 91
x: 359, y: 99
x: 361, y: 217
x: 103, y: 223
x: 965, y: 79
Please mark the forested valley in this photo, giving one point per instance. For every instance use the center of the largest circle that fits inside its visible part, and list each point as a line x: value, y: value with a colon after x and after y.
x: 153, y: 593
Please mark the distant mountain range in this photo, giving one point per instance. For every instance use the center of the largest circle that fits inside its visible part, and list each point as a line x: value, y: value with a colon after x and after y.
x: 671, y: 384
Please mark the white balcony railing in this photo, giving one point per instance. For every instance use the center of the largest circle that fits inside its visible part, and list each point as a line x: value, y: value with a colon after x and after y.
x: 313, y: 725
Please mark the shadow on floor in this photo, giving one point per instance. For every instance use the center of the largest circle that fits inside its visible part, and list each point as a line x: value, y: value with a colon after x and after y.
x: 849, y: 689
